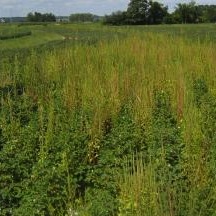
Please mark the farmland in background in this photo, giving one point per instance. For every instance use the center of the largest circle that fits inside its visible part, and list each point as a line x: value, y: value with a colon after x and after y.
x: 102, y: 121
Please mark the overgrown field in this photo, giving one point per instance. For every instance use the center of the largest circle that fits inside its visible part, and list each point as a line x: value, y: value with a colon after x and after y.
x: 117, y: 121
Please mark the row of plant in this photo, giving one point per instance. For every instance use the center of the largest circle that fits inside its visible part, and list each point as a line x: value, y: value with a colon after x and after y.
x: 104, y: 130
x: 52, y: 164
x: 33, y: 24
x: 14, y: 35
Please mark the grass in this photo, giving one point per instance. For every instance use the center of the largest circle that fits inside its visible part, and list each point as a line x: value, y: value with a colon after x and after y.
x: 119, y: 121
x: 191, y: 31
x: 52, y: 32
x: 38, y: 37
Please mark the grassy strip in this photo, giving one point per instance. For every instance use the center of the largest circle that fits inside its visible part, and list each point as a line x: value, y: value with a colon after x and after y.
x: 15, y: 35
x: 33, y: 24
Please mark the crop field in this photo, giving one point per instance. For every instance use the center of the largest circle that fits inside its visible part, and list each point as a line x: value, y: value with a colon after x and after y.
x: 108, y: 121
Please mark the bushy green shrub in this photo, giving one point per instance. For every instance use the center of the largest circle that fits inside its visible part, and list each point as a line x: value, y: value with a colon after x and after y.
x: 200, y: 88
x: 100, y: 202
x: 19, y: 146
x: 164, y: 134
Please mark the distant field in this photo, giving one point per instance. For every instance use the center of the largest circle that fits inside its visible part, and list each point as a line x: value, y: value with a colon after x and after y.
x: 51, y: 32
x: 108, y: 121
x: 53, y: 35
x: 42, y: 34
x: 192, y: 31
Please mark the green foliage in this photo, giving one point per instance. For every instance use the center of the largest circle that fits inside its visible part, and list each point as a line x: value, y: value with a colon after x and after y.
x: 39, y: 175
x: 122, y: 140
x: 142, y: 12
x: 157, y: 13
x: 82, y: 17
x: 205, y: 102
x: 38, y: 17
x: 19, y: 146
x: 100, y: 202
x: 116, y: 18
x: 82, y: 130
x: 200, y: 89
x: 206, y: 13
x: 187, y: 13
x: 165, y: 134
x: 139, y: 12
x: 193, y: 13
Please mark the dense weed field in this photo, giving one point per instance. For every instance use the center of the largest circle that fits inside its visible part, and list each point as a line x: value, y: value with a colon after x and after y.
x: 117, y: 121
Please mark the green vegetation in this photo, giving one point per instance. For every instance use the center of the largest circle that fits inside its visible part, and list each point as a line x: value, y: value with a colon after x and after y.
x: 139, y: 12
x: 150, y: 12
x: 192, y: 13
x: 83, y: 17
x: 37, y: 35
x: 102, y: 121
x: 39, y: 17
x: 5, y: 35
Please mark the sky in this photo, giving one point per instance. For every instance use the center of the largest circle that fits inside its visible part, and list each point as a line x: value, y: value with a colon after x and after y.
x: 66, y: 7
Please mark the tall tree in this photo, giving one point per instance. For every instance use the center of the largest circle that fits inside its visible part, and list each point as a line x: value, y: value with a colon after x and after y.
x: 209, y: 14
x: 187, y: 12
x: 146, y: 12
x: 156, y: 13
x: 82, y: 17
x: 116, y: 18
x: 39, y: 17
x: 138, y: 11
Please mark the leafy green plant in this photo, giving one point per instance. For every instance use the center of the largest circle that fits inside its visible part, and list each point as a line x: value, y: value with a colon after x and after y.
x: 164, y: 135
x: 200, y: 88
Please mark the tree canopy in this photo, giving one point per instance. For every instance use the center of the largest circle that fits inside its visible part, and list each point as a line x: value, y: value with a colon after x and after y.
x: 138, y: 11
x: 39, y: 17
x: 141, y: 12
x: 82, y: 17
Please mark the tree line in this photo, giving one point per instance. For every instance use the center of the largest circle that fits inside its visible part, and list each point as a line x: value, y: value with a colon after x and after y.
x: 39, y: 17
x: 147, y: 12
x: 49, y: 17
x: 142, y: 12
x: 84, y: 17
